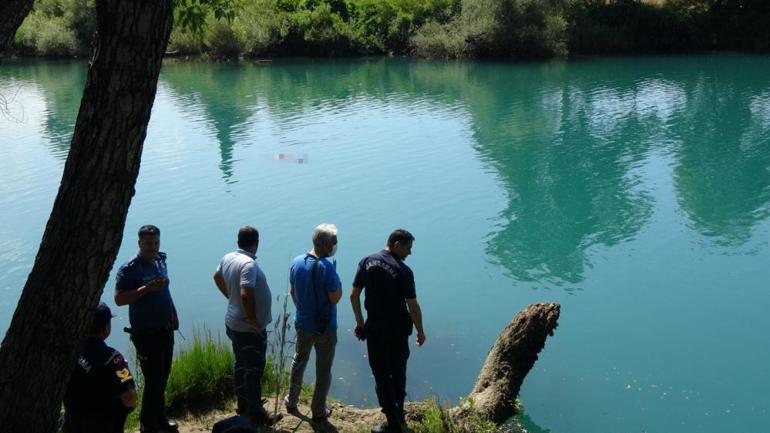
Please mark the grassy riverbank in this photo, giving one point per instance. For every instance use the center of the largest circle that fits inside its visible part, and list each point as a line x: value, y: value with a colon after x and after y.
x: 428, y: 28
x: 200, y: 392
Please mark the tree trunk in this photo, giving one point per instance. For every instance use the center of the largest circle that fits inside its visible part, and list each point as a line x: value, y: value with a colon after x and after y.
x: 85, y: 228
x: 509, y: 361
x: 12, y: 13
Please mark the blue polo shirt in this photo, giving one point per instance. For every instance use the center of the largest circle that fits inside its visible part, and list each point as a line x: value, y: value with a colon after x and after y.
x: 312, y: 300
x: 153, y: 310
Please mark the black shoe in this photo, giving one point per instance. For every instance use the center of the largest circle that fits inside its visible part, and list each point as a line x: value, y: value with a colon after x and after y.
x: 168, y: 425
x: 291, y: 410
x: 323, y: 418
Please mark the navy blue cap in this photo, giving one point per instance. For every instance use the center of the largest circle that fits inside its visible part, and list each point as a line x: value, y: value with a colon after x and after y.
x: 102, y: 315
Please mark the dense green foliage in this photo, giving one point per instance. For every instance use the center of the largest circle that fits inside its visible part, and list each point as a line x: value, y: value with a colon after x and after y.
x: 628, y: 26
x: 314, y: 27
x: 57, y: 28
x: 497, y: 28
x: 427, y: 28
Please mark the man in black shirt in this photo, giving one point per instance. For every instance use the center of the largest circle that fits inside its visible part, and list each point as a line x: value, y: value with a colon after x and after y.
x: 392, y: 309
x: 100, y: 393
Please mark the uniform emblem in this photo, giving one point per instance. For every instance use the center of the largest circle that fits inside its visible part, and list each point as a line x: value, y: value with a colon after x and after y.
x: 123, y: 375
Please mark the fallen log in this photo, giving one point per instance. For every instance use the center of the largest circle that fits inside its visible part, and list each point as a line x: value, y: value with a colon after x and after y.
x: 508, y: 362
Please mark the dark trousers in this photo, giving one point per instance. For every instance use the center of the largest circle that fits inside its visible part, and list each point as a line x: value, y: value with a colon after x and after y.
x: 388, y: 354
x: 155, y: 350
x: 249, y: 349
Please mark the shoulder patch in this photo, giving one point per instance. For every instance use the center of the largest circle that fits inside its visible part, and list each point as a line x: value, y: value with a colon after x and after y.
x: 114, y: 358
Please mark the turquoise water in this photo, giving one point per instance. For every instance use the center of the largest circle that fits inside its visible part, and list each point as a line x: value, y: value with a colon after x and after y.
x: 633, y: 191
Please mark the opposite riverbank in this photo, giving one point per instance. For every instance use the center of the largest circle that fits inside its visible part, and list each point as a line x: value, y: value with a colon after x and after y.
x: 517, y: 29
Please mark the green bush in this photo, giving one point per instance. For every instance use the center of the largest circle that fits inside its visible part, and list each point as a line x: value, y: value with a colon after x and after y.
x: 442, y: 41
x: 56, y: 28
x: 223, y: 39
x: 265, y: 28
x: 498, y: 28
x: 47, y: 36
x: 185, y: 42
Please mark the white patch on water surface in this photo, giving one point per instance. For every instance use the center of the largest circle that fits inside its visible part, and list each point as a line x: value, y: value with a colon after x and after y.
x: 760, y: 109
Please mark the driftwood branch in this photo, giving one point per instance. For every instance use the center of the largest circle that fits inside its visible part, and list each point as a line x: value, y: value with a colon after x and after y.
x: 510, y: 359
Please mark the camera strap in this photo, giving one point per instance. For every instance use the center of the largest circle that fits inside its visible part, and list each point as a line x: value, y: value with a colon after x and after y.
x: 316, y: 292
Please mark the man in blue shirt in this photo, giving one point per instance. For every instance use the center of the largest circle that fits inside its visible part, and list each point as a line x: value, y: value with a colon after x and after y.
x: 100, y: 393
x: 142, y: 283
x: 392, y: 309
x: 315, y: 290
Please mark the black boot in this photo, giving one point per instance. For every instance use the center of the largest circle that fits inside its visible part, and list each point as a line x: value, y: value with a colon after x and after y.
x: 167, y: 425
x: 391, y: 425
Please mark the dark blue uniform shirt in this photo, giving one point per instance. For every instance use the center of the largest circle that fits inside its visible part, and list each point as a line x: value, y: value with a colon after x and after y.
x: 387, y: 283
x: 153, y: 310
x: 92, y: 401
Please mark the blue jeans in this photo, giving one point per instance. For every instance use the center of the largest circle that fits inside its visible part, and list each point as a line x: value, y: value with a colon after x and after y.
x: 249, y: 349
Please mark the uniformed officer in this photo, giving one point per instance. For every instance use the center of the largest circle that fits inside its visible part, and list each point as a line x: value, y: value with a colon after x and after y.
x: 392, y: 310
x: 100, y: 393
x: 143, y: 284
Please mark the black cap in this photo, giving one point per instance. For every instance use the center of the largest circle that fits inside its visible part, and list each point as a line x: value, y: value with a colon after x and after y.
x: 102, y: 315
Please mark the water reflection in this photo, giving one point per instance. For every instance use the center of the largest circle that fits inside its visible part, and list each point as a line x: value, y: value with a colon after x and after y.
x: 62, y: 85
x: 722, y: 174
x: 565, y: 148
x: 224, y: 97
x: 568, y: 142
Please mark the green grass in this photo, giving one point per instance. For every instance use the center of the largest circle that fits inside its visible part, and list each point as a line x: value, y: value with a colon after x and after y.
x: 201, y: 374
x: 202, y: 378
x: 437, y: 419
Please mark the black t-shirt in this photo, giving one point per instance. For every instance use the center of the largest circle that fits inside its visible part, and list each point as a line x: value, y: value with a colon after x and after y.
x: 93, y: 392
x: 387, y: 283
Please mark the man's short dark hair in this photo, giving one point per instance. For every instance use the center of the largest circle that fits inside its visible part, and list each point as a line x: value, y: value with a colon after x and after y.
x: 401, y: 236
x: 148, y: 230
x: 248, y: 237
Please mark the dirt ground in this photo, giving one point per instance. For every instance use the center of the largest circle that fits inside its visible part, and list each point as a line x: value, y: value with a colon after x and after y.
x: 344, y: 419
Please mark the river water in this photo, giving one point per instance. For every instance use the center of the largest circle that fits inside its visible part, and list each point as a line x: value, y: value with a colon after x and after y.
x: 633, y: 191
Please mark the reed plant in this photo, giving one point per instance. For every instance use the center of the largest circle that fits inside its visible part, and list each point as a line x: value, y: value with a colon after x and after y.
x: 278, y: 353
